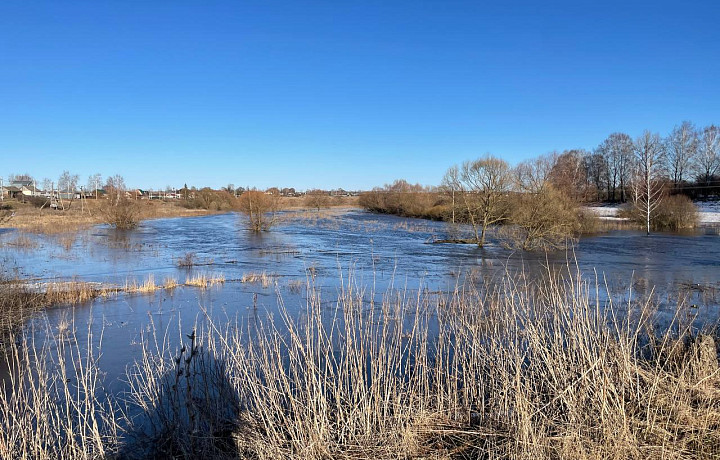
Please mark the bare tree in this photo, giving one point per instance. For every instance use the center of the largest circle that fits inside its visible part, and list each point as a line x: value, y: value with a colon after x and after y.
x: 115, y: 188
x: 260, y: 208
x: 94, y: 182
x: 708, y: 163
x: 452, y: 187
x: 647, y: 181
x: 534, y: 175
x: 68, y: 182
x: 483, y: 186
x: 47, y: 185
x: 119, y: 211
x: 596, y: 172
x: 569, y: 175
x: 317, y: 199
x: 618, y: 152
x: 20, y: 178
x: 681, y: 150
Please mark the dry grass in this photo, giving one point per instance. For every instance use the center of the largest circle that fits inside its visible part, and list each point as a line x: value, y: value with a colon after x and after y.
x: 264, y: 279
x: 49, y: 405
x: 170, y: 283
x: 518, y: 370
x: 76, y: 217
x: 146, y: 287
x: 205, y: 280
x: 75, y: 292
x: 339, y: 202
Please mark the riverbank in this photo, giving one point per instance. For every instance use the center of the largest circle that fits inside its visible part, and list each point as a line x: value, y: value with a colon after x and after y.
x: 81, y: 215
x: 708, y: 212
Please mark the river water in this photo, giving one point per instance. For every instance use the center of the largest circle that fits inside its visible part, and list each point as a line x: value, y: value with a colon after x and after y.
x: 376, y: 251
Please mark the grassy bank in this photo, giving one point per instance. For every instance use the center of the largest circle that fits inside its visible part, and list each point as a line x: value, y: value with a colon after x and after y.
x: 78, y: 216
x: 519, y: 370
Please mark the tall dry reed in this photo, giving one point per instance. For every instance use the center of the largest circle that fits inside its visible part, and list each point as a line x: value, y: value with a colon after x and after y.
x: 518, y: 369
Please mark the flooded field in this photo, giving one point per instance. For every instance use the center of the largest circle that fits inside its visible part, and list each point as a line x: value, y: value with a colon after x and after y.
x: 198, y: 318
x: 374, y: 252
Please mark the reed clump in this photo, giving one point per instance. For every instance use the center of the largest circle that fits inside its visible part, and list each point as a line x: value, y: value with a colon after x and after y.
x: 75, y: 292
x: 205, y: 280
x: 146, y: 287
x: 170, y: 283
x: 50, y: 404
x: 264, y: 279
x: 517, y: 369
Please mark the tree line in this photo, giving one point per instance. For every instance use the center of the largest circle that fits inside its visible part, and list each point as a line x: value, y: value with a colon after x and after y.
x: 541, y: 198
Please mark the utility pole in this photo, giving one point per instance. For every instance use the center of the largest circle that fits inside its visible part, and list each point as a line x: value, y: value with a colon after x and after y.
x: 2, y: 191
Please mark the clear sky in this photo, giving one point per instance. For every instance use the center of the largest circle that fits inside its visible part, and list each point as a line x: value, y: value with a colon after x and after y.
x: 339, y: 93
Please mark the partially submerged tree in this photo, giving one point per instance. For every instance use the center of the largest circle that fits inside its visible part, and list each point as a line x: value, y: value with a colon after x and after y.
x: 545, y: 219
x: 119, y: 210
x: 260, y: 209
x: 483, y: 186
x: 317, y: 199
x: 647, y: 183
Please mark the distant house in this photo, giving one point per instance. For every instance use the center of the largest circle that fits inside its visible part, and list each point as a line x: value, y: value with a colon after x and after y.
x: 13, y: 192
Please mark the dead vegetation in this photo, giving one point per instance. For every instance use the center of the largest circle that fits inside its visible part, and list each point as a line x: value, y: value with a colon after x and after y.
x: 29, y: 218
x: 264, y: 279
x: 517, y: 370
x: 204, y: 280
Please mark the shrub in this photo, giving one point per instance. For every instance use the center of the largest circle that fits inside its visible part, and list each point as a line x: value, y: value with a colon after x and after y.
x: 547, y: 219
x: 121, y: 213
x: 260, y: 209
x: 674, y: 212
x: 317, y: 199
x: 36, y: 201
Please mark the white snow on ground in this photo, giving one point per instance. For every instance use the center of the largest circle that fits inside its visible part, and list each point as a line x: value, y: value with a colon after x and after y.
x: 709, y: 212
x: 608, y: 212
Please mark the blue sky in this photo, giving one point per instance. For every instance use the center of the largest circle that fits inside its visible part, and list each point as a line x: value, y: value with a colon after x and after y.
x: 339, y: 93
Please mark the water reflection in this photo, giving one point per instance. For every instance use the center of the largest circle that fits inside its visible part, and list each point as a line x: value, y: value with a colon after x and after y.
x: 376, y: 251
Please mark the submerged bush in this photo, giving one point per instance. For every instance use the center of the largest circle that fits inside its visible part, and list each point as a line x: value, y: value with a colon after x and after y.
x: 546, y: 219
x: 122, y: 213
x: 673, y: 212
x: 404, y: 199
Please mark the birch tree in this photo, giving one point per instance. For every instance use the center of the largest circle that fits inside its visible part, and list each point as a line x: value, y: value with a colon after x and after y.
x: 452, y: 186
x: 68, y: 182
x: 708, y: 163
x: 647, y: 184
x: 681, y: 150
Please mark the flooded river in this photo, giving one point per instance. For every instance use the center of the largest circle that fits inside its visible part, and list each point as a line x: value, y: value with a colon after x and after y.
x: 376, y: 251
